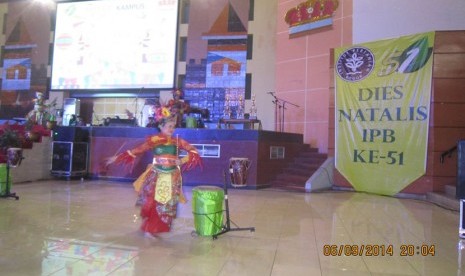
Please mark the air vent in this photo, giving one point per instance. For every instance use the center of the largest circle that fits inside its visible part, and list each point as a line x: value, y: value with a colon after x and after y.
x: 277, y: 152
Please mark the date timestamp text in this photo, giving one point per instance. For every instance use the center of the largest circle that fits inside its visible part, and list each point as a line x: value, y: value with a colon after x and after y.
x: 367, y: 250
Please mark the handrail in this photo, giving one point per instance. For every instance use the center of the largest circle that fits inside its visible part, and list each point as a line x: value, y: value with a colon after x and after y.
x: 447, y: 152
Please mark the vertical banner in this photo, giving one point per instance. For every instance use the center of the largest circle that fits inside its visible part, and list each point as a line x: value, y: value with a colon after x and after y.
x: 383, y: 92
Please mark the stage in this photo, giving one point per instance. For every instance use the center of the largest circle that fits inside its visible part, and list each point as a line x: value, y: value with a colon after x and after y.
x: 268, y: 152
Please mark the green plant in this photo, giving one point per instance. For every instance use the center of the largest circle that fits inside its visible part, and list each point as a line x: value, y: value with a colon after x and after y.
x: 30, y: 122
x: 41, y: 114
x: 9, y: 139
x: 51, y: 117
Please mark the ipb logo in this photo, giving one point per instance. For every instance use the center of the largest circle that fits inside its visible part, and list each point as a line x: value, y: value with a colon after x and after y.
x: 355, y: 64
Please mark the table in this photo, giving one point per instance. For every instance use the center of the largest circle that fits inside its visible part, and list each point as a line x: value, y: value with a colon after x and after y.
x: 247, y: 122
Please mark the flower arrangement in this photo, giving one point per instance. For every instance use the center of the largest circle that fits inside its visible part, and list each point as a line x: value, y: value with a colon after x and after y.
x: 42, y: 113
x: 9, y: 138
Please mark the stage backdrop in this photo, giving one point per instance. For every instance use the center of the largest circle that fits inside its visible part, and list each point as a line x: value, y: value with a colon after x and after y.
x: 383, y: 92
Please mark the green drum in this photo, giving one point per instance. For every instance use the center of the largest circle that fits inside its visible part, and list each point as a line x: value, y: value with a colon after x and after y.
x: 207, y: 207
x: 3, y: 184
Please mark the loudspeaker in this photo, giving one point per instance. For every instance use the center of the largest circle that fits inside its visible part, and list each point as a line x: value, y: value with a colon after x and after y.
x: 71, y: 134
x: 69, y: 158
x: 122, y: 122
x: 460, y: 191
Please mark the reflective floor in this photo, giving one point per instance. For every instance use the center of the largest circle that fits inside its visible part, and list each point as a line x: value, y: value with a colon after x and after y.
x: 91, y: 228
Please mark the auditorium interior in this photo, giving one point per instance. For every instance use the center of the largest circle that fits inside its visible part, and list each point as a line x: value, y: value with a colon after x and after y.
x: 259, y: 89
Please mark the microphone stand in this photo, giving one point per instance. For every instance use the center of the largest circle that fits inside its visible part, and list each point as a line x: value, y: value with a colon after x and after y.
x: 227, y: 226
x: 284, y: 107
x: 276, y: 106
x: 280, y: 103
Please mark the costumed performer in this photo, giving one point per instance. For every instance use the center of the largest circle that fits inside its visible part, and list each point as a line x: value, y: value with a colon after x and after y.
x: 178, y: 106
x: 160, y: 186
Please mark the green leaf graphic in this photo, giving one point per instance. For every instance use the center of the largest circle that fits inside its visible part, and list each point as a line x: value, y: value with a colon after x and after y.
x: 415, y: 56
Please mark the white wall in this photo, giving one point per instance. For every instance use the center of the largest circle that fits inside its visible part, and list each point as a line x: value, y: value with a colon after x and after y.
x: 262, y: 65
x: 383, y: 19
x: 36, y: 165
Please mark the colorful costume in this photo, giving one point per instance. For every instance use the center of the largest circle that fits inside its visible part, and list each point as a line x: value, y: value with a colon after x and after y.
x: 160, y: 186
x: 178, y: 106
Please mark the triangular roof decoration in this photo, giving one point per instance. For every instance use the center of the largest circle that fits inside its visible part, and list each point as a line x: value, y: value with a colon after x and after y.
x: 227, y: 23
x: 19, y: 35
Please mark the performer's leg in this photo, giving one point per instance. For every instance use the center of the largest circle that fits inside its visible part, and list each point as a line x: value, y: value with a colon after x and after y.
x: 151, y: 221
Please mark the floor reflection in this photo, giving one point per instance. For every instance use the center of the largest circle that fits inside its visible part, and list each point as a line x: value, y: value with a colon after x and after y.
x: 64, y: 227
x: 63, y: 254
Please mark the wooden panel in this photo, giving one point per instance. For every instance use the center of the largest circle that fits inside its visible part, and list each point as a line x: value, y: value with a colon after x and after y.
x: 448, y: 90
x: 448, y: 168
x: 331, y: 59
x: 440, y: 182
x: 429, y: 184
x: 267, y: 168
x: 331, y: 117
x: 420, y: 186
x: 331, y: 138
x: 444, y: 138
x: 448, y: 115
x: 332, y: 98
x: 332, y: 79
x: 449, y: 66
x: 341, y: 181
x: 449, y: 42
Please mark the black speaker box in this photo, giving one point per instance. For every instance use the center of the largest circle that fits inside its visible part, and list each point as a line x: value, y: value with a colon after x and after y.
x: 69, y: 158
x: 71, y: 134
x: 460, y: 191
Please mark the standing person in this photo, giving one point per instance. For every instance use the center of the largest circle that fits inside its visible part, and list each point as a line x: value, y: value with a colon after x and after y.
x: 160, y: 186
x: 178, y: 106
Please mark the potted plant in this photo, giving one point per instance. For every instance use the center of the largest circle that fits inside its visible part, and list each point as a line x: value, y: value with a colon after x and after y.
x: 8, y: 139
x: 30, y: 134
x: 40, y: 116
x: 51, y: 121
x: 11, y: 155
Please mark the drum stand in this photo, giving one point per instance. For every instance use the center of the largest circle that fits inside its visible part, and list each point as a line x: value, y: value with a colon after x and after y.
x: 227, y: 227
x: 7, y: 190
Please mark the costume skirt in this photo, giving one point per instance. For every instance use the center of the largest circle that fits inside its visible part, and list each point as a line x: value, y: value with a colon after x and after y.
x: 156, y: 216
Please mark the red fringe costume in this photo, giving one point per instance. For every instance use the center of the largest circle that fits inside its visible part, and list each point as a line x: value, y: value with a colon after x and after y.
x: 160, y: 186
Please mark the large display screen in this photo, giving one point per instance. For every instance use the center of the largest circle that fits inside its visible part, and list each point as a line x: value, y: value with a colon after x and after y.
x: 110, y: 45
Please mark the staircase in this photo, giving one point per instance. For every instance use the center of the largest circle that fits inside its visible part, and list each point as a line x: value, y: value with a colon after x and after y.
x: 445, y: 199
x: 296, y: 173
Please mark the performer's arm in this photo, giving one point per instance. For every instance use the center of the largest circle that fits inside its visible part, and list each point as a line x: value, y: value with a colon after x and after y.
x: 192, y: 159
x: 130, y: 155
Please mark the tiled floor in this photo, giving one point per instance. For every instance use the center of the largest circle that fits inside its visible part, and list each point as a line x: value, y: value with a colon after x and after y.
x: 91, y: 228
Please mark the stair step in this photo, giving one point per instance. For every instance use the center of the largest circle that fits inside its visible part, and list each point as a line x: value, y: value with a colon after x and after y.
x: 307, y: 147
x: 313, y: 154
x: 306, y: 166
x: 308, y: 160
x: 300, y: 171
x: 291, y: 188
x: 444, y: 200
x: 292, y: 178
x: 450, y: 190
x: 287, y: 186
